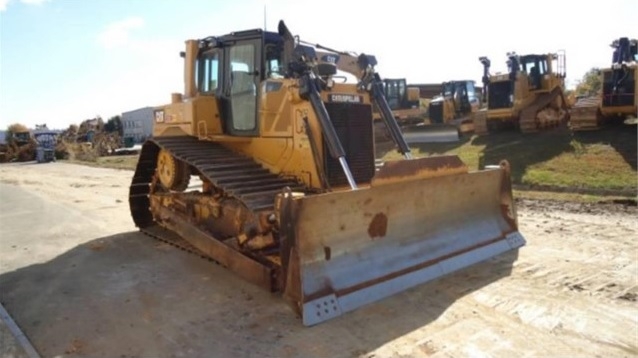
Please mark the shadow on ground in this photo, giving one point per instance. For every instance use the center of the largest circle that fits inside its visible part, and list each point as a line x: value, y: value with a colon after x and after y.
x: 623, y: 138
x: 128, y: 295
x: 526, y: 150
x: 384, y: 148
x: 523, y: 150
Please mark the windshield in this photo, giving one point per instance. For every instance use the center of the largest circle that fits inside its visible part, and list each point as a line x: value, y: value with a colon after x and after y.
x: 22, y: 136
x: 448, y: 89
x: 471, y: 91
x: 535, y: 65
x: 394, y: 88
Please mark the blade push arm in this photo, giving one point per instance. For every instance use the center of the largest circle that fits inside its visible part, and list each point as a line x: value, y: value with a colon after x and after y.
x: 371, y: 82
x: 299, y: 58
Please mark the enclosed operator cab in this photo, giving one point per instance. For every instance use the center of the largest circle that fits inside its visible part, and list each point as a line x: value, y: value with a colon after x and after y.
x: 397, y: 94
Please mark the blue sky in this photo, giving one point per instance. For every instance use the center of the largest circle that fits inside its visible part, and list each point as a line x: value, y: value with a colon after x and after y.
x: 62, y: 61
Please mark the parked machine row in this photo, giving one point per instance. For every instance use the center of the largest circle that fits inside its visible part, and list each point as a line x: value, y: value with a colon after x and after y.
x: 530, y: 97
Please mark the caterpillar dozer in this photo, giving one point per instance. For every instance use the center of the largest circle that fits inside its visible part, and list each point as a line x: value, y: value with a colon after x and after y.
x: 456, y: 105
x: 416, y: 124
x: 290, y: 197
x: 403, y: 100
x: 405, y: 106
x: 619, y: 98
x: 530, y: 97
x: 20, y: 144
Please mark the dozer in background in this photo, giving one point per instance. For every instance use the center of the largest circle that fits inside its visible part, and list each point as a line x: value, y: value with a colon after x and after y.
x: 530, y: 97
x: 20, y: 145
x: 619, y: 97
x: 290, y: 198
x: 406, y: 108
x: 404, y: 101
x: 416, y: 124
x: 456, y: 105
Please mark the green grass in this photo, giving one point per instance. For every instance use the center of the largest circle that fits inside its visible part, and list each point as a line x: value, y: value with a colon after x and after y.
x: 603, y: 160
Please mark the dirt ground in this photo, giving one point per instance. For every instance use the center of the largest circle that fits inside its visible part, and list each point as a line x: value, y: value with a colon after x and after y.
x: 80, y: 281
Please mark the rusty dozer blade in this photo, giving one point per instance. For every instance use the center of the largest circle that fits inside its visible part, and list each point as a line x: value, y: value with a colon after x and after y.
x: 430, y: 133
x: 418, y: 220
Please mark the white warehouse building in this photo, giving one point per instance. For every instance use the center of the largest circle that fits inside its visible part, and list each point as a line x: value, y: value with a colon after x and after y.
x: 137, y: 124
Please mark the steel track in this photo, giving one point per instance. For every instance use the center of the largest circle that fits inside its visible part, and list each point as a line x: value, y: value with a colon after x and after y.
x: 232, y: 173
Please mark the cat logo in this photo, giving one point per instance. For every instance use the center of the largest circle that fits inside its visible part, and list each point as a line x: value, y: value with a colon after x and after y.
x: 330, y: 58
x: 345, y: 98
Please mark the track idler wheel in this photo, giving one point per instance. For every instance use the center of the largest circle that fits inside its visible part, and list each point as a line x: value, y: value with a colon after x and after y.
x: 173, y: 173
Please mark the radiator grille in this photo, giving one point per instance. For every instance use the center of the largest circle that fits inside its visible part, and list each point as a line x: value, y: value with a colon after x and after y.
x: 498, y: 95
x: 353, y: 124
x: 625, y: 92
x: 435, y: 112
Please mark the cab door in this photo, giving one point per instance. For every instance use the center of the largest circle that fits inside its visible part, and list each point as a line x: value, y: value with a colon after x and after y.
x: 241, y: 87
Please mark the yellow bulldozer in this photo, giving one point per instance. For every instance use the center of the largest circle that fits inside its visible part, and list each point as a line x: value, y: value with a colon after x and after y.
x: 412, y: 116
x: 403, y: 100
x: 290, y: 196
x: 405, y: 104
x: 619, y: 97
x: 456, y: 105
x: 529, y: 97
x: 20, y: 145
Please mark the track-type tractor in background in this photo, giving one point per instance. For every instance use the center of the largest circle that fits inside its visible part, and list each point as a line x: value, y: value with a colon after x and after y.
x: 529, y: 97
x: 619, y: 97
x: 416, y: 124
x: 456, y: 105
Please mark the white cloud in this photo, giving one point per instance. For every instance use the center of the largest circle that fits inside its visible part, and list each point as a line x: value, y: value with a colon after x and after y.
x: 3, y: 5
x: 118, y: 33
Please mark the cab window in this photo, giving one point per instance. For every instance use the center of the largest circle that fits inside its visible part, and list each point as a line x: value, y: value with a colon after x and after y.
x: 207, y: 72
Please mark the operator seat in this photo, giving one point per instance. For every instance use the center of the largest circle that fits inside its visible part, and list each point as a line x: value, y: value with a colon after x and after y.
x: 535, y: 78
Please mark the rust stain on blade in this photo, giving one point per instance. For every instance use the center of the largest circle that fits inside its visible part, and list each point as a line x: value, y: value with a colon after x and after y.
x: 422, y: 168
x: 378, y: 226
